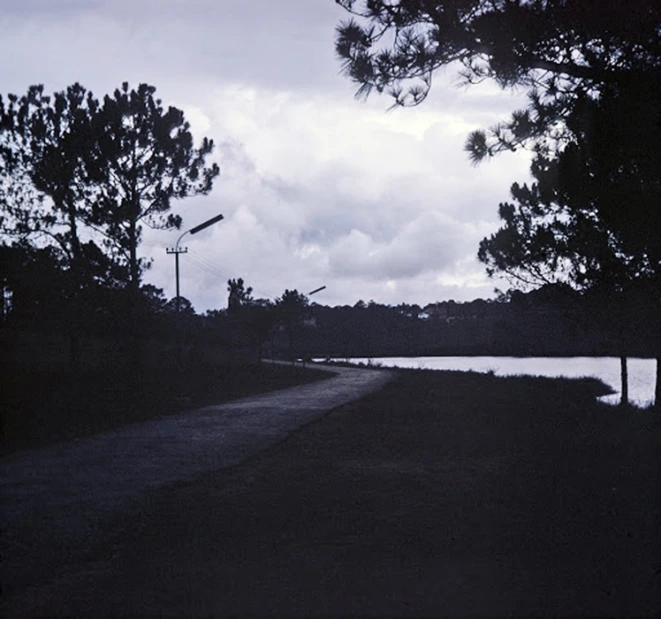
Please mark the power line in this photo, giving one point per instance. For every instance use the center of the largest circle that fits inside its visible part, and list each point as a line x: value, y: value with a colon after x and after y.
x: 207, y: 261
x: 199, y: 260
x: 210, y: 264
x: 202, y: 258
x: 204, y: 267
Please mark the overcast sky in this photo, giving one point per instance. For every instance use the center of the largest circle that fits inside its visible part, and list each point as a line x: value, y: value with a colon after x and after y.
x: 316, y: 187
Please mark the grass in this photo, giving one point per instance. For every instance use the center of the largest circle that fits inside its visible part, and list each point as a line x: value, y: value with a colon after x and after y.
x: 40, y: 410
x: 443, y: 494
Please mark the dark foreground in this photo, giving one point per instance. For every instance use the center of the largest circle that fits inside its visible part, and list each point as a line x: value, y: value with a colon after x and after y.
x: 442, y: 494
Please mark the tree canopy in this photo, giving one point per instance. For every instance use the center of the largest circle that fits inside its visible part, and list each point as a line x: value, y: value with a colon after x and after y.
x: 44, y: 187
x: 556, y: 49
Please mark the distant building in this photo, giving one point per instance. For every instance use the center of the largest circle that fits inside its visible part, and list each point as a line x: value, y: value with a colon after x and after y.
x: 310, y: 322
x: 436, y: 311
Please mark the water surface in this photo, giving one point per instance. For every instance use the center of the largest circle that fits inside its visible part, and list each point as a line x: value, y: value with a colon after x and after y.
x: 642, y: 372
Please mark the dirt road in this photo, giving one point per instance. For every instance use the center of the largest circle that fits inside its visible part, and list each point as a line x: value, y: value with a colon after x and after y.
x: 57, y: 501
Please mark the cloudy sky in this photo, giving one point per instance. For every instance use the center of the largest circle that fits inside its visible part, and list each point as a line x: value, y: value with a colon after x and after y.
x: 317, y: 188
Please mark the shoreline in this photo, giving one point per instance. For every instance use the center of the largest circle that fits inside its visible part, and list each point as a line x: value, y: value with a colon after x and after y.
x: 642, y: 371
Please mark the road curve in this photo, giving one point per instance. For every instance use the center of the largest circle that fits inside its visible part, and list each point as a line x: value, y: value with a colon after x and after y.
x: 56, y: 499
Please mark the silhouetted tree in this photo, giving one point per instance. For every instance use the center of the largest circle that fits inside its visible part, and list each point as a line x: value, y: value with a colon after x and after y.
x: 239, y: 295
x: 568, y: 225
x: 44, y: 194
x: 290, y: 308
x: 593, y: 74
x: 179, y: 306
x: 544, y: 239
x: 43, y: 140
x: 153, y: 299
x: 143, y: 159
x: 592, y: 218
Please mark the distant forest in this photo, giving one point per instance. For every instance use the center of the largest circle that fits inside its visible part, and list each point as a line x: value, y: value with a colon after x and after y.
x: 552, y: 320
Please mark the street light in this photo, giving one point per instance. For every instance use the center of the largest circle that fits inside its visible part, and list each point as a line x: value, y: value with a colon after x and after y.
x: 182, y: 250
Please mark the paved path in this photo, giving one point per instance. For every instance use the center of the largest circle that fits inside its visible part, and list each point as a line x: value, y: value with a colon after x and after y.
x: 56, y: 500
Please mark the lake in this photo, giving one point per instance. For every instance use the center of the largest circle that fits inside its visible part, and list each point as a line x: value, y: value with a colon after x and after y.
x: 642, y: 372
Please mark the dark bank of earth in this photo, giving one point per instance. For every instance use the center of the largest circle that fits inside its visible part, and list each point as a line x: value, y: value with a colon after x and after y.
x: 39, y: 410
x: 443, y: 494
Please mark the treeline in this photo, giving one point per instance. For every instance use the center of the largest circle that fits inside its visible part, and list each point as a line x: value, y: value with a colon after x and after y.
x: 553, y: 320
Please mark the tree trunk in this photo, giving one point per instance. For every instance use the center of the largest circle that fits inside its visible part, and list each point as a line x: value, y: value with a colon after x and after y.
x: 657, y: 389
x: 134, y: 296
x: 77, y: 285
x: 73, y: 230
x: 134, y: 270
x: 624, y: 374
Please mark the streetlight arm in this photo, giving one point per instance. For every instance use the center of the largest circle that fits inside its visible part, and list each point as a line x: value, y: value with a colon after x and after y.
x: 176, y: 245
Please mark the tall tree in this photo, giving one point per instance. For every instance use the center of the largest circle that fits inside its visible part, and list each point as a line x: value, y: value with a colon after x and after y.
x: 554, y: 231
x: 143, y: 159
x: 255, y: 318
x: 259, y: 316
x: 44, y: 194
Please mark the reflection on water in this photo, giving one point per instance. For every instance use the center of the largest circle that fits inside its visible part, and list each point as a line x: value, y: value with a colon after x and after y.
x: 642, y: 372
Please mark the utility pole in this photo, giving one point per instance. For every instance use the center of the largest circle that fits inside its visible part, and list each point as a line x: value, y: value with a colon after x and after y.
x: 176, y: 250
